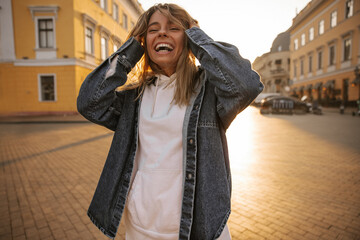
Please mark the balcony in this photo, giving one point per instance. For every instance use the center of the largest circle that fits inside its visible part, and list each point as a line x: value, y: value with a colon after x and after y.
x: 278, y: 72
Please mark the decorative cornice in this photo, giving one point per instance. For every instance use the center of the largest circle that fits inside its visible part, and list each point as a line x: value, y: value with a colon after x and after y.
x: 46, y: 9
x: 53, y: 62
x: 307, y: 10
x: 87, y: 18
x: 116, y: 38
x: 348, y: 33
x: 105, y: 31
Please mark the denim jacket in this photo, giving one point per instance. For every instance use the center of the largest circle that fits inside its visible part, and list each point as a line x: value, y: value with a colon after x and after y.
x: 227, y: 85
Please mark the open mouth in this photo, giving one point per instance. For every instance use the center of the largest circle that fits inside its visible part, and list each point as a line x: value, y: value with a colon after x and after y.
x: 163, y: 47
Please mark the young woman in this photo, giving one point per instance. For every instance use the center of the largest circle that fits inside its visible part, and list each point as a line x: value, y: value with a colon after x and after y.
x: 167, y: 172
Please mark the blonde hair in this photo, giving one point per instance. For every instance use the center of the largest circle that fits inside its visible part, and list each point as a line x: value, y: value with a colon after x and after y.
x: 144, y: 71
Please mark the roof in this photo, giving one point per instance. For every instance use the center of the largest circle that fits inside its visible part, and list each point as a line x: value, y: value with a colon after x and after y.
x: 283, y: 41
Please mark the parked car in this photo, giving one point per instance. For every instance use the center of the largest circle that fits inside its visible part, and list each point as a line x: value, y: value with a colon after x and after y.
x: 261, y: 96
x: 283, y: 105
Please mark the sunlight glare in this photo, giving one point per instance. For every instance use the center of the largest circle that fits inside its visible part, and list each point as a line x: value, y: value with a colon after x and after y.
x: 241, y: 140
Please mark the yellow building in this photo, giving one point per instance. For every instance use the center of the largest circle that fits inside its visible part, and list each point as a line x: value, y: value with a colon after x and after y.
x: 48, y: 47
x: 325, y: 50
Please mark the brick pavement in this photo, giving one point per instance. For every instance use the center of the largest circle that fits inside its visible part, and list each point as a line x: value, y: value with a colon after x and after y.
x: 294, y: 177
x: 299, y: 177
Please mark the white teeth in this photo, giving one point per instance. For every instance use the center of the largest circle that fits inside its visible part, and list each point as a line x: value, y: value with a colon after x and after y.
x: 164, y: 46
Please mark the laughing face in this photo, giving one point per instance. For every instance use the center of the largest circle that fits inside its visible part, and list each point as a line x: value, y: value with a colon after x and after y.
x: 164, y: 42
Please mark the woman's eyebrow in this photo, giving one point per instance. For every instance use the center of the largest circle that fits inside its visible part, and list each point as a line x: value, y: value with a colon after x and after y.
x: 154, y: 23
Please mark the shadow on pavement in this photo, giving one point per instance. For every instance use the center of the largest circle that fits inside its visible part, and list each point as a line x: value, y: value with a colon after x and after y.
x: 2, y: 164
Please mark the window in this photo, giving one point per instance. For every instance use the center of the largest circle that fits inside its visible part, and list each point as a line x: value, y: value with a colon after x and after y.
x: 103, y: 4
x: 319, y: 60
x: 301, y: 67
x: 295, y: 70
x: 321, y: 27
x: 115, y: 47
x: 278, y: 61
x: 47, y: 88
x: 279, y: 48
x: 115, y: 12
x: 310, y: 64
x: 311, y: 34
x: 333, y: 19
x: 332, y: 55
x: 89, y: 40
x: 296, y: 44
x: 347, y: 49
x: 349, y: 8
x: 104, y: 48
x: 125, y: 21
x: 303, y: 39
x: 46, y: 33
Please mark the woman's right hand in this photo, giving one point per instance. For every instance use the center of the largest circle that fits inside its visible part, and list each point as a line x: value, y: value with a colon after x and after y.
x: 194, y: 23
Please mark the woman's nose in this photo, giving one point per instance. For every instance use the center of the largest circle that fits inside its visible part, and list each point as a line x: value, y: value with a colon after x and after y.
x: 163, y: 32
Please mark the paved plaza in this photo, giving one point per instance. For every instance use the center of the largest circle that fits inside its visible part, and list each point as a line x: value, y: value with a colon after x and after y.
x: 294, y: 177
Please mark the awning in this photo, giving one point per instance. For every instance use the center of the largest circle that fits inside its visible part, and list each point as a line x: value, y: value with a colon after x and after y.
x: 317, y: 85
x: 329, y: 84
x: 309, y: 86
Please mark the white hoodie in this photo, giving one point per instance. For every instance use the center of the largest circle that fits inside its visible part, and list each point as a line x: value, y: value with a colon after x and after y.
x: 154, y: 201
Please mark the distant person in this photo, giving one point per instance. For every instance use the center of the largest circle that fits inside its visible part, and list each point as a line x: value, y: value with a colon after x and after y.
x: 167, y: 172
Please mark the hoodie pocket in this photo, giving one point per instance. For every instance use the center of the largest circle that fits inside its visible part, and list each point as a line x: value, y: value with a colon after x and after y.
x: 155, y: 200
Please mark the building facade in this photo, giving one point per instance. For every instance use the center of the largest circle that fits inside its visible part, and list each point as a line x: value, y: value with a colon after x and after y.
x: 48, y: 47
x: 325, y: 50
x: 274, y: 66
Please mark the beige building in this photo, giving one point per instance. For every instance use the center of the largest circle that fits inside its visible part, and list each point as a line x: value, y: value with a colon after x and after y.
x: 325, y: 50
x: 273, y: 67
x: 47, y: 48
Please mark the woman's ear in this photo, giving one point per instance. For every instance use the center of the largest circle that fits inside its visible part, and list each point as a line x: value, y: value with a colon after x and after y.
x: 138, y: 38
x: 141, y: 40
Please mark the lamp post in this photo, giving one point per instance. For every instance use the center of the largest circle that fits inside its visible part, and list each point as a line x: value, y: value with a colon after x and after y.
x: 357, y: 82
x: 357, y: 78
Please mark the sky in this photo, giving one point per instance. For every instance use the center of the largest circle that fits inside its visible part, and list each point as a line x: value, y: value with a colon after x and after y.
x: 250, y: 25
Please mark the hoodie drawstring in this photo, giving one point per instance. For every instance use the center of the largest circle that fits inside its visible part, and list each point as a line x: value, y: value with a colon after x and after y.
x: 154, y: 102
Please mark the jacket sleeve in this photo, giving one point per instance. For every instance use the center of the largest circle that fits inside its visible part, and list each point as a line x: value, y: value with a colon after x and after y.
x: 98, y: 101
x: 236, y: 84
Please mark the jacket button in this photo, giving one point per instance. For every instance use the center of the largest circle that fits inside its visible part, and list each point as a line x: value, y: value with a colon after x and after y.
x: 191, y: 141
x: 123, y: 56
x: 189, y: 176
x: 196, y: 107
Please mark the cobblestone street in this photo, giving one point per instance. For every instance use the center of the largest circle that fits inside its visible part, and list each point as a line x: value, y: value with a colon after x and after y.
x: 294, y: 177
